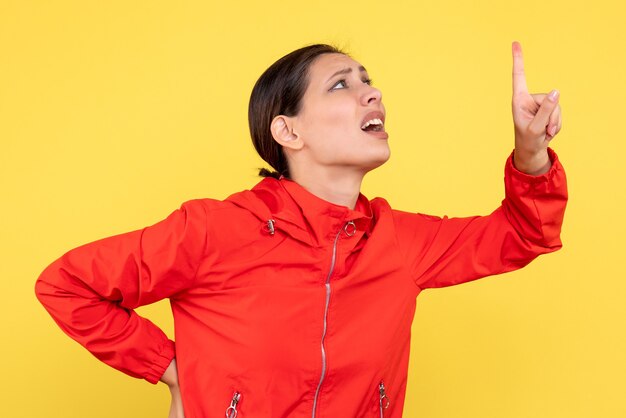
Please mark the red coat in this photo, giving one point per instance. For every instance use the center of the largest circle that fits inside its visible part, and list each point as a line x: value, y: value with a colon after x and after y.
x: 286, y: 305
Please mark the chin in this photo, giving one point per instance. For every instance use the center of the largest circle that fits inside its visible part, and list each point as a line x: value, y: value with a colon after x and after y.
x: 378, y: 160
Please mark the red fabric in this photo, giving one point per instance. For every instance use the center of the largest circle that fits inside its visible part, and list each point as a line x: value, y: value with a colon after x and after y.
x: 249, y: 295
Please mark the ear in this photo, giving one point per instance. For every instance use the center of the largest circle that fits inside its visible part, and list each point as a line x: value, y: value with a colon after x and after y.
x: 282, y: 132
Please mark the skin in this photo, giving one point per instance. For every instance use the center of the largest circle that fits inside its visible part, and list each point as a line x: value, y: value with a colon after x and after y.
x: 170, y: 378
x: 536, y: 118
x: 329, y: 154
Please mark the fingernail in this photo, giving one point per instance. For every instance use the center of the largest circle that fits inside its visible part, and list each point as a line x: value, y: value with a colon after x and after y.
x: 552, y: 130
x: 553, y: 95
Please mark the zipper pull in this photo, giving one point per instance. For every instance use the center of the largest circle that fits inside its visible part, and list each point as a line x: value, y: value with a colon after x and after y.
x: 349, y: 228
x: 231, y: 411
x: 270, y: 226
x: 384, y: 399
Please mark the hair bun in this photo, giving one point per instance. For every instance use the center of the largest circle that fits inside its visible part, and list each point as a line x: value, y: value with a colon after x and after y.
x: 264, y: 172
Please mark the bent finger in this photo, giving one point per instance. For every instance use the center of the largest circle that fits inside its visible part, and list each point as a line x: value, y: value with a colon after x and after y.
x: 553, y: 121
x: 541, y: 119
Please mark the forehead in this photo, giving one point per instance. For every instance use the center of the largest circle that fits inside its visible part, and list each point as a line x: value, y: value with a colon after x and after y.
x: 326, y: 65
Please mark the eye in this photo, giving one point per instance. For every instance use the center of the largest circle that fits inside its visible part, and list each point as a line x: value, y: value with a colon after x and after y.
x: 367, y: 81
x: 340, y: 82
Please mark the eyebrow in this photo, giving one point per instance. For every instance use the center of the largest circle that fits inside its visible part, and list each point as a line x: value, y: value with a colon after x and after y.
x: 346, y: 71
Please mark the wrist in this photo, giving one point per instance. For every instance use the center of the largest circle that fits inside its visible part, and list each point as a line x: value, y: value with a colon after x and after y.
x: 532, y: 163
x: 170, y: 377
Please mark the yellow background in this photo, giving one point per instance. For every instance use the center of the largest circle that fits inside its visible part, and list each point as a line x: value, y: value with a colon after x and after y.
x: 114, y: 113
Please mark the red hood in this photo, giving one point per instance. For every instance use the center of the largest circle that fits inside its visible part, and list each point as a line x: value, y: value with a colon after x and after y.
x: 300, y: 213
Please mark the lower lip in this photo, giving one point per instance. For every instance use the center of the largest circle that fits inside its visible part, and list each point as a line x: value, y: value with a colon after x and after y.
x: 378, y: 134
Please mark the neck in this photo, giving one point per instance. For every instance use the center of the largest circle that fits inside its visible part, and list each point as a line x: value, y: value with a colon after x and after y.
x: 340, y: 186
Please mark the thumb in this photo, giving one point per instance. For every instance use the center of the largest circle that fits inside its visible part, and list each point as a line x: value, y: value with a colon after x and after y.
x: 541, y: 119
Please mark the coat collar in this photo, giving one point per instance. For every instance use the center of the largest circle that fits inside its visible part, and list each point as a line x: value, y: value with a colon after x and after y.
x: 302, y: 214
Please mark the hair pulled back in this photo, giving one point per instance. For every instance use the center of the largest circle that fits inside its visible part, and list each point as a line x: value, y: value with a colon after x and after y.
x: 279, y: 91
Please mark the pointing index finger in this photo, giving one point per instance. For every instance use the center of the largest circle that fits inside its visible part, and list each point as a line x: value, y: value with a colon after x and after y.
x: 519, y: 77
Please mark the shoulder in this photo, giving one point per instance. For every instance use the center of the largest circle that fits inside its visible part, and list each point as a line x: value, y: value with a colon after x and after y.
x: 205, y: 203
x: 212, y: 206
x: 238, y: 214
x: 381, y: 206
x: 408, y: 227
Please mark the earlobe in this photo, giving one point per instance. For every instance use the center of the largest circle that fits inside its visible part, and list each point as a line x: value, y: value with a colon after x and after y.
x: 282, y: 132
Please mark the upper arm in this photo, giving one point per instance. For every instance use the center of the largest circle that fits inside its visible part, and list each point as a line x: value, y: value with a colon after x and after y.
x: 137, y: 267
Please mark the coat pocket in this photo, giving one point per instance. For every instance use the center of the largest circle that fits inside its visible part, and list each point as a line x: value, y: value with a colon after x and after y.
x: 231, y: 411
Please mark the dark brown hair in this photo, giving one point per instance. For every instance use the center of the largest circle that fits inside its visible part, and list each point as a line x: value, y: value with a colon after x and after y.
x: 279, y: 91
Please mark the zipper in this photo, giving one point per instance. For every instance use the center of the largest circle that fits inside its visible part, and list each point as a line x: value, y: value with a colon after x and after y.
x: 327, y: 284
x: 231, y: 411
x: 384, y: 399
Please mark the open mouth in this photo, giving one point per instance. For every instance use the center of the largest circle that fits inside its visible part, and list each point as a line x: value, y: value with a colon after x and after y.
x: 373, y: 125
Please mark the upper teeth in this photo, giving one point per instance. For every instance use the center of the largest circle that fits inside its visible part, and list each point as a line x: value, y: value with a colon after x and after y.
x: 372, y: 122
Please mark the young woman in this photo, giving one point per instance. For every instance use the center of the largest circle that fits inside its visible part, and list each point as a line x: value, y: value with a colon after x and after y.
x: 295, y: 298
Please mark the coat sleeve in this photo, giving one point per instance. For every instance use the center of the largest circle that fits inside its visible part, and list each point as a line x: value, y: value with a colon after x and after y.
x: 449, y: 251
x: 91, y: 290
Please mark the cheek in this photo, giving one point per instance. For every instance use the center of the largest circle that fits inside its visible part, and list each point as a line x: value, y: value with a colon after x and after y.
x: 330, y: 128
x: 336, y: 128
x: 340, y: 113
x: 334, y: 120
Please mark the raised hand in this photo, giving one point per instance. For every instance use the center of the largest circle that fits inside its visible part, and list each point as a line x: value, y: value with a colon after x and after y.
x: 537, y: 120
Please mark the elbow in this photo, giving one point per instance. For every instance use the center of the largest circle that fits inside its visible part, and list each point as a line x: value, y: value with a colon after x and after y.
x: 551, y: 236
x: 44, y: 290
x: 52, y: 287
x: 541, y: 232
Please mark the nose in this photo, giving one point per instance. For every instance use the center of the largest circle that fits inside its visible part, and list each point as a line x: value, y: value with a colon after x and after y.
x: 371, y: 94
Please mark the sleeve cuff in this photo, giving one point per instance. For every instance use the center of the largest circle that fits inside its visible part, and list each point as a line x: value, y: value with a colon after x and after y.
x: 555, y: 166
x: 163, y: 360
